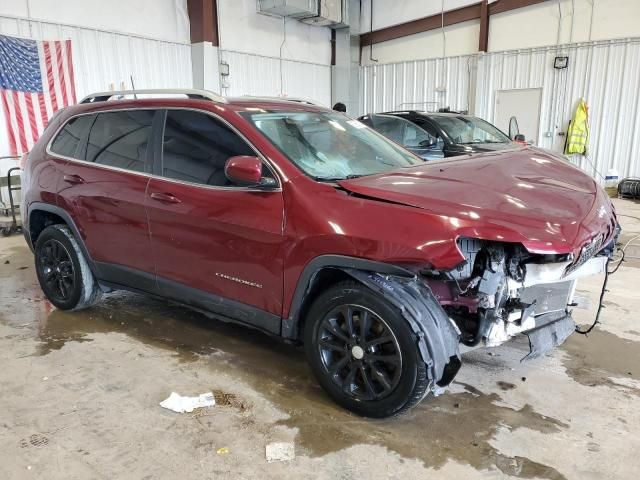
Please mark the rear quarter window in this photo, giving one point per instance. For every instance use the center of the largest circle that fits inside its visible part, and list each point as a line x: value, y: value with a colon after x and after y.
x: 67, y: 141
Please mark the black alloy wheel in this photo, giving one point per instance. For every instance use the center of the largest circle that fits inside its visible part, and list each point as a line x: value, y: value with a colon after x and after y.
x: 359, y: 352
x: 56, y: 269
x: 62, y: 269
x: 363, y: 351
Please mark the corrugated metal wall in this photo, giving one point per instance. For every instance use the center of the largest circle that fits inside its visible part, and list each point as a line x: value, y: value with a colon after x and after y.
x: 419, y: 84
x: 607, y: 74
x: 103, y: 58
x: 260, y: 75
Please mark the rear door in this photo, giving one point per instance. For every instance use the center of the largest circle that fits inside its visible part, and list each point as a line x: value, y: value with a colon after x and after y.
x: 103, y: 187
x: 214, y: 241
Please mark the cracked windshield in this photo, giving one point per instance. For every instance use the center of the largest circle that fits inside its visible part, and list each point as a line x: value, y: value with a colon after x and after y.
x: 329, y: 146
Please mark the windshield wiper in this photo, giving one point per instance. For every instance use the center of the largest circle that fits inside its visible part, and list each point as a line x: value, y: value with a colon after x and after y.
x: 336, y: 179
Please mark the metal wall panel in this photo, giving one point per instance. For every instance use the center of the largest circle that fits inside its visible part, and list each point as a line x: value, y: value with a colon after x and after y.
x: 102, y: 59
x: 418, y: 84
x: 606, y: 74
x: 269, y: 76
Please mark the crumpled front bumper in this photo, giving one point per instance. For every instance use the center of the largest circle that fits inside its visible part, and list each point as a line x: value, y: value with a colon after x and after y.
x: 551, y: 330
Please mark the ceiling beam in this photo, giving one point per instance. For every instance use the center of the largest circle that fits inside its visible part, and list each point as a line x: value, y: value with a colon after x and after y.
x: 451, y: 17
x: 501, y: 6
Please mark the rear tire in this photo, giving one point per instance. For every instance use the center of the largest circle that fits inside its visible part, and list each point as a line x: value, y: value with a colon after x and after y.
x: 63, y: 271
x: 363, y: 352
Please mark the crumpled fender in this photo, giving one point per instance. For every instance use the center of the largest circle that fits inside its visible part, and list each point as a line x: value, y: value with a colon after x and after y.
x: 437, y: 339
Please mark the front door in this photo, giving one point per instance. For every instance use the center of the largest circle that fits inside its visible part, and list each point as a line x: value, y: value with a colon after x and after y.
x: 216, y: 245
x: 103, y: 186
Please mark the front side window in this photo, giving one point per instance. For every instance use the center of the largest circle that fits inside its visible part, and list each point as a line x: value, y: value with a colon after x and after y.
x: 196, y: 146
x: 436, y: 141
x: 68, y: 139
x: 470, y: 130
x: 330, y: 146
x: 120, y: 139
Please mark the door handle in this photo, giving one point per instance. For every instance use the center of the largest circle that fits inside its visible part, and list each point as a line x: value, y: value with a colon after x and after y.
x: 73, y: 179
x: 165, y: 198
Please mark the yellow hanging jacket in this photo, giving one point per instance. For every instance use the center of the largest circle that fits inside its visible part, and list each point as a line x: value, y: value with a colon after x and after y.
x: 578, y: 134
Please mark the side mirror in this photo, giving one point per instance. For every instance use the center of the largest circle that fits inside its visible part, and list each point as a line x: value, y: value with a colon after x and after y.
x: 429, y: 143
x: 519, y: 138
x: 514, y: 130
x: 244, y: 170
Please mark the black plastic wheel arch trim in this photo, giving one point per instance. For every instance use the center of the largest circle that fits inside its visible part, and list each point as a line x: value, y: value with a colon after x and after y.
x: 437, y: 339
x: 47, y: 207
x: 291, y: 325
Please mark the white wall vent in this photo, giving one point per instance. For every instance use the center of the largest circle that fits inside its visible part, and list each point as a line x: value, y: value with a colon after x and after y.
x: 323, y: 13
x: 332, y: 13
x: 289, y: 8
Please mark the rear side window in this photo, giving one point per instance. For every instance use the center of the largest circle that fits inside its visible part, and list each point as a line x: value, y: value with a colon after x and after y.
x: 390, y: 127
x: 403, y: 131
x: 68, y: 139
x: 196, y: 146
x: 120, y: 139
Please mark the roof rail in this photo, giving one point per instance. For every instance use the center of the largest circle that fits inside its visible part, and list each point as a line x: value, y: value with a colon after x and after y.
x: 308, y: 101
x: 189, y: 92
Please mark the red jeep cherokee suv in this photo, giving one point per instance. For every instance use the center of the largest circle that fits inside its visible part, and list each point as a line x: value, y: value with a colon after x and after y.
x: 306, y: 224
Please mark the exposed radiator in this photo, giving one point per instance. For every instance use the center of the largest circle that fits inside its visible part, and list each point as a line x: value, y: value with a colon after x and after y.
x: 549, y: 297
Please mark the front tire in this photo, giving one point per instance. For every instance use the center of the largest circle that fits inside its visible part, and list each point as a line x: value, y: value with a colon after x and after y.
x: 363, y: 352
x: 62, y: 270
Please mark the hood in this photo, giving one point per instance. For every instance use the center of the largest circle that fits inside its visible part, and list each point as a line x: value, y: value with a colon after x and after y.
x: 523, y: 195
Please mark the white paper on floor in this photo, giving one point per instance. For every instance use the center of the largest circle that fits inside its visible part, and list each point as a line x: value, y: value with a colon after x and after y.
x: 181, y: 404
x: 280, y: 452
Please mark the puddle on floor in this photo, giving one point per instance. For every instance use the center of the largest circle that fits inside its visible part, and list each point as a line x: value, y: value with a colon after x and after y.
x: 610, y: 303
x: 455, y: 427
x: 592, y: 359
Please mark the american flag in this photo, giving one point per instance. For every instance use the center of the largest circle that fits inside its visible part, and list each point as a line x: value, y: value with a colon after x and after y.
x: 36, y: 80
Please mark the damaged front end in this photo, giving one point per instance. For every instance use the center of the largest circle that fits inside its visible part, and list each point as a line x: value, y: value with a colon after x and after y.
x: 502, y: 290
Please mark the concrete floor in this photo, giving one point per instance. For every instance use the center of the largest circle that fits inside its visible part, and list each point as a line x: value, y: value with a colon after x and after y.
x: 80, y: 391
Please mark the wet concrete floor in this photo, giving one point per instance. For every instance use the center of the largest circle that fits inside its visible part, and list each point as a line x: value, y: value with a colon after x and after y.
x: 81, y: 392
